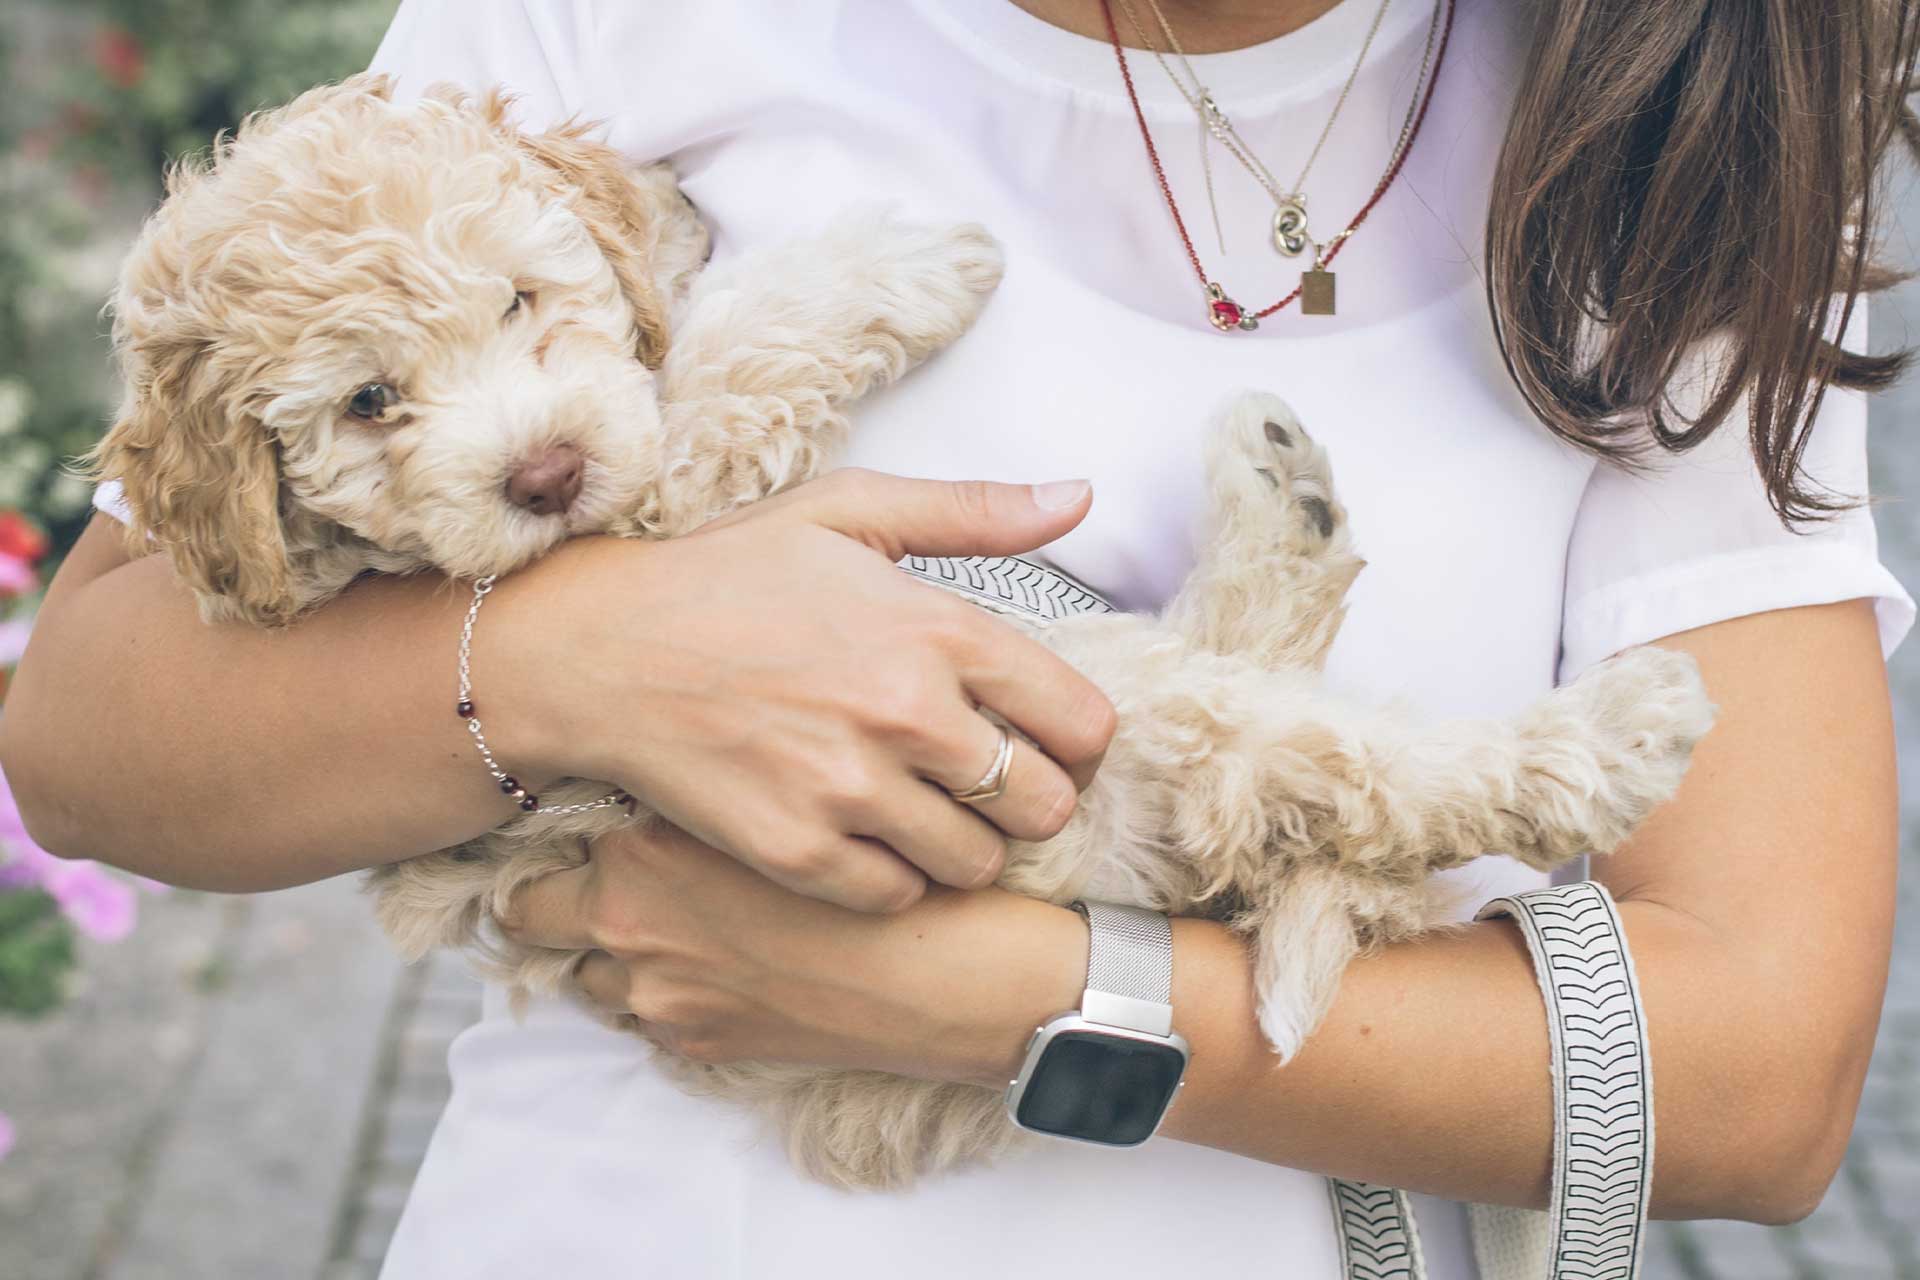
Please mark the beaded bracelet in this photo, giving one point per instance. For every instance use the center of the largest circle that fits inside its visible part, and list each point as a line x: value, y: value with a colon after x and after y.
x: 465, y: 709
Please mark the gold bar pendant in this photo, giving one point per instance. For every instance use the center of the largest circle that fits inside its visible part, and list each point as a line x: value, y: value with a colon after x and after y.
x: 1316, y: 292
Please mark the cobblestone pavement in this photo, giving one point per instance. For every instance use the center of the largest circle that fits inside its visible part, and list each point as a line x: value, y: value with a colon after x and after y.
x: 435, y: 1002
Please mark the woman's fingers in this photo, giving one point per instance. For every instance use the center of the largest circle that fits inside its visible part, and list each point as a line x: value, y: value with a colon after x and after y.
x: 948, y: 841
x: 850, y: 871
x: 1038, y: 796
x: 898, y: 516
x: 1037, y: 690
x: 555, y: 912
x: 605, y: 981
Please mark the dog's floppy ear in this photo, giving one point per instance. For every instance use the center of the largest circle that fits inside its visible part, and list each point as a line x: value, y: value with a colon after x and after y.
x: 202, y: 485
x: 646, y: 229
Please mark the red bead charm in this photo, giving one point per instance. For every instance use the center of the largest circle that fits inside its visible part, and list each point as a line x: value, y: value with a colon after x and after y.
x: 509, y: 784
x: 1225, y: 314
x: 528, y: 803
x: 463, y: 709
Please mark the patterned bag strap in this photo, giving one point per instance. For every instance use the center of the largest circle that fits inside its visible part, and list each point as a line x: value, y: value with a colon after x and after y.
x: 1032, y: 593
x: 1375, y: 1230
x: 1595, y: 1224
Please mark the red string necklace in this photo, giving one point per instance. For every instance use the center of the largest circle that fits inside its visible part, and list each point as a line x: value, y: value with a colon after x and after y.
x: 1316, y: 284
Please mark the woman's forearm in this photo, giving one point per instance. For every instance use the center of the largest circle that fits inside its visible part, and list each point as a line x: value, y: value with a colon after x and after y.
x: 1759, y: 908
x: 1431, y: 1072
x: 234, y: 758
x: 771, y: 683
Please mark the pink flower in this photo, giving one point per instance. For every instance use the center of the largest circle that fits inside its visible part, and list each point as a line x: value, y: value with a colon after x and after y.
x: 13, y: 641
x: 16, y: 576
x: 97, y: 902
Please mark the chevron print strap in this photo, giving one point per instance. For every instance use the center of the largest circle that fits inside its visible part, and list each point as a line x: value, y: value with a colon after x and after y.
x: 1030, y: 592
x: 1602, y: 1079
x: 1377, y: 1237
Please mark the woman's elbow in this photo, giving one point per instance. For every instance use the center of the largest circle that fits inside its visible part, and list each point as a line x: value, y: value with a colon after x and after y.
x: 1787, y: 1182
x: 50, y: 814
x: 1795, y: 1140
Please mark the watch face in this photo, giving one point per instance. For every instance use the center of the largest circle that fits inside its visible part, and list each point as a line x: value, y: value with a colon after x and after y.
x: 1100, y: 1088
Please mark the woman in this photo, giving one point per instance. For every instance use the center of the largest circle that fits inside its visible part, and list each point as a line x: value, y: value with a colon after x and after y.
x: 1684, y: 171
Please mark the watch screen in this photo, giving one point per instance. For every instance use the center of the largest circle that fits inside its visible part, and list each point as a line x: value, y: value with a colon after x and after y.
x: 1100, y: 1088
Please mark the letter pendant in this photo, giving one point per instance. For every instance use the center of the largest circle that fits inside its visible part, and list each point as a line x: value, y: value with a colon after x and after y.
x: 1316, y: 292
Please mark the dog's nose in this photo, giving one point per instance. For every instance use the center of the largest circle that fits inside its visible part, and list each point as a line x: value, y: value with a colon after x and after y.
x: 547, y: 483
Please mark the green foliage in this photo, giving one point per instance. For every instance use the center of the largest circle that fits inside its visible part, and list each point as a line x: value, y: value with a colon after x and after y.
x: 36, y: 951
x: 101, y: 95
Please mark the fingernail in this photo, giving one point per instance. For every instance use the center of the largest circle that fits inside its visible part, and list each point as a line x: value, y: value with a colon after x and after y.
x: 1059, y: 494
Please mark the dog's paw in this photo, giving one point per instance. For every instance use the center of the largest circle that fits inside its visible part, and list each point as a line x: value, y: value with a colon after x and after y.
x: 1284, y: 1024
x: 969, y: 255
x: 1646, y: 710
x: 931, y: 281
x: 1268, y: 476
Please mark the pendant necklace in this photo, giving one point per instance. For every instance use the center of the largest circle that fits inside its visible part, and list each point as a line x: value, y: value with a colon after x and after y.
x: 1290, y: 234
x: 1316, y: 289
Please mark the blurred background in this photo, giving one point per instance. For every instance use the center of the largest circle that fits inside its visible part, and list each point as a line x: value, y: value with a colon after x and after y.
x: 193, y: 1085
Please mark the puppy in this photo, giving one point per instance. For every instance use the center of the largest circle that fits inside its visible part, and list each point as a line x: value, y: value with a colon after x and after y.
x: 380, y: 337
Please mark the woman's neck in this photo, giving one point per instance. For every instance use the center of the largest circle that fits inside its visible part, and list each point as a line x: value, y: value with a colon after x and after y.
x: 1203, y: 26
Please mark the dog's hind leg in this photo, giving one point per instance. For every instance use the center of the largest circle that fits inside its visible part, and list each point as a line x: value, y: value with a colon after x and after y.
x: 1276, y: 557
x: 772, y: 347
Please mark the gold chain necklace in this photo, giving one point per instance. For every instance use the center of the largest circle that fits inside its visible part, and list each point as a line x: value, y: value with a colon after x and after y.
x: 1315, y: 292
x: 1290, y: 232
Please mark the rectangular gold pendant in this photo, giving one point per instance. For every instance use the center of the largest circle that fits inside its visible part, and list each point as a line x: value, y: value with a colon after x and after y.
x: 1316, y: 292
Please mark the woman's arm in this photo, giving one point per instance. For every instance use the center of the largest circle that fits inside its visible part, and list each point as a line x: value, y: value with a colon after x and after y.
x: 1758, y: 903
x: 232, y: 758
x: 770, y: 682
x: 1759, y: 906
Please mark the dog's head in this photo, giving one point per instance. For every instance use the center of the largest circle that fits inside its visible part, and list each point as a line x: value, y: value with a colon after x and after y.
x: 378, y: 335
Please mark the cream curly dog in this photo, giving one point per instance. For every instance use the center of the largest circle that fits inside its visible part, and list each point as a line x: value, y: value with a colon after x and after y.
x: 375, y: 336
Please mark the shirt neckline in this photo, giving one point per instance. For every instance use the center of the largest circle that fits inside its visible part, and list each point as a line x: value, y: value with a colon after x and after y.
x: 1309, y: 62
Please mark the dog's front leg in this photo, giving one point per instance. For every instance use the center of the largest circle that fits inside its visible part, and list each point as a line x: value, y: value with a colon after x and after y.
x: 774, y: 345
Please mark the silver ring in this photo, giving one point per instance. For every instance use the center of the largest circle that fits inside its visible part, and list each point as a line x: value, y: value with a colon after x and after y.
x: 994, y: 782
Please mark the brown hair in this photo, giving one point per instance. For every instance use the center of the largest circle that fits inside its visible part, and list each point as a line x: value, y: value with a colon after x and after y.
x: 1684, y: 169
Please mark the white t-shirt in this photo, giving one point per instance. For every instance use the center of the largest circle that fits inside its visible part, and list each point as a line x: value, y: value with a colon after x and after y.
x: 1499, y: 560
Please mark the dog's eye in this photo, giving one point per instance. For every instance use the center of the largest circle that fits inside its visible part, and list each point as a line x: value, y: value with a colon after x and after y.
x: 522, y: 299
x: 372, y: 400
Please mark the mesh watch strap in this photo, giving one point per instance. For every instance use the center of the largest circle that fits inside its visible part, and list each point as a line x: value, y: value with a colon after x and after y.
x: 1129, y: 967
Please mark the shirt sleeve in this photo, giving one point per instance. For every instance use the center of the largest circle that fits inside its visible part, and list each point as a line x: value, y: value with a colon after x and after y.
x: 1691, y: 540
x: 531, y: 48
x: 528, y: 47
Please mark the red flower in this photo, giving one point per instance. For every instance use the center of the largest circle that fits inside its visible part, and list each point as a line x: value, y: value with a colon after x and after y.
x: 119, y: 57
x: 21, y: 538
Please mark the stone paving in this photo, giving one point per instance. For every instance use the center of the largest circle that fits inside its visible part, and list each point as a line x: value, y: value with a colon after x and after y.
x: 435, y: 1002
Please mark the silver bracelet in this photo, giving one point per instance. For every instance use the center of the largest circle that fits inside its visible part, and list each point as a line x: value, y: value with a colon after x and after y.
x: 467, y: 711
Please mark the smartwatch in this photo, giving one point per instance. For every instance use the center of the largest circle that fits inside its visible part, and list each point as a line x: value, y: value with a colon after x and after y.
x: 1107, y: 1071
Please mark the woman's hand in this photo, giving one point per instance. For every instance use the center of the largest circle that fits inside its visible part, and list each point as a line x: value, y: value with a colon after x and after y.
x: 774, y: 685
x: 722, y: 965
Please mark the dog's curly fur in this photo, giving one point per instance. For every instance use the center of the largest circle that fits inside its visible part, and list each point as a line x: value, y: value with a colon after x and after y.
x: 348, y: 238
